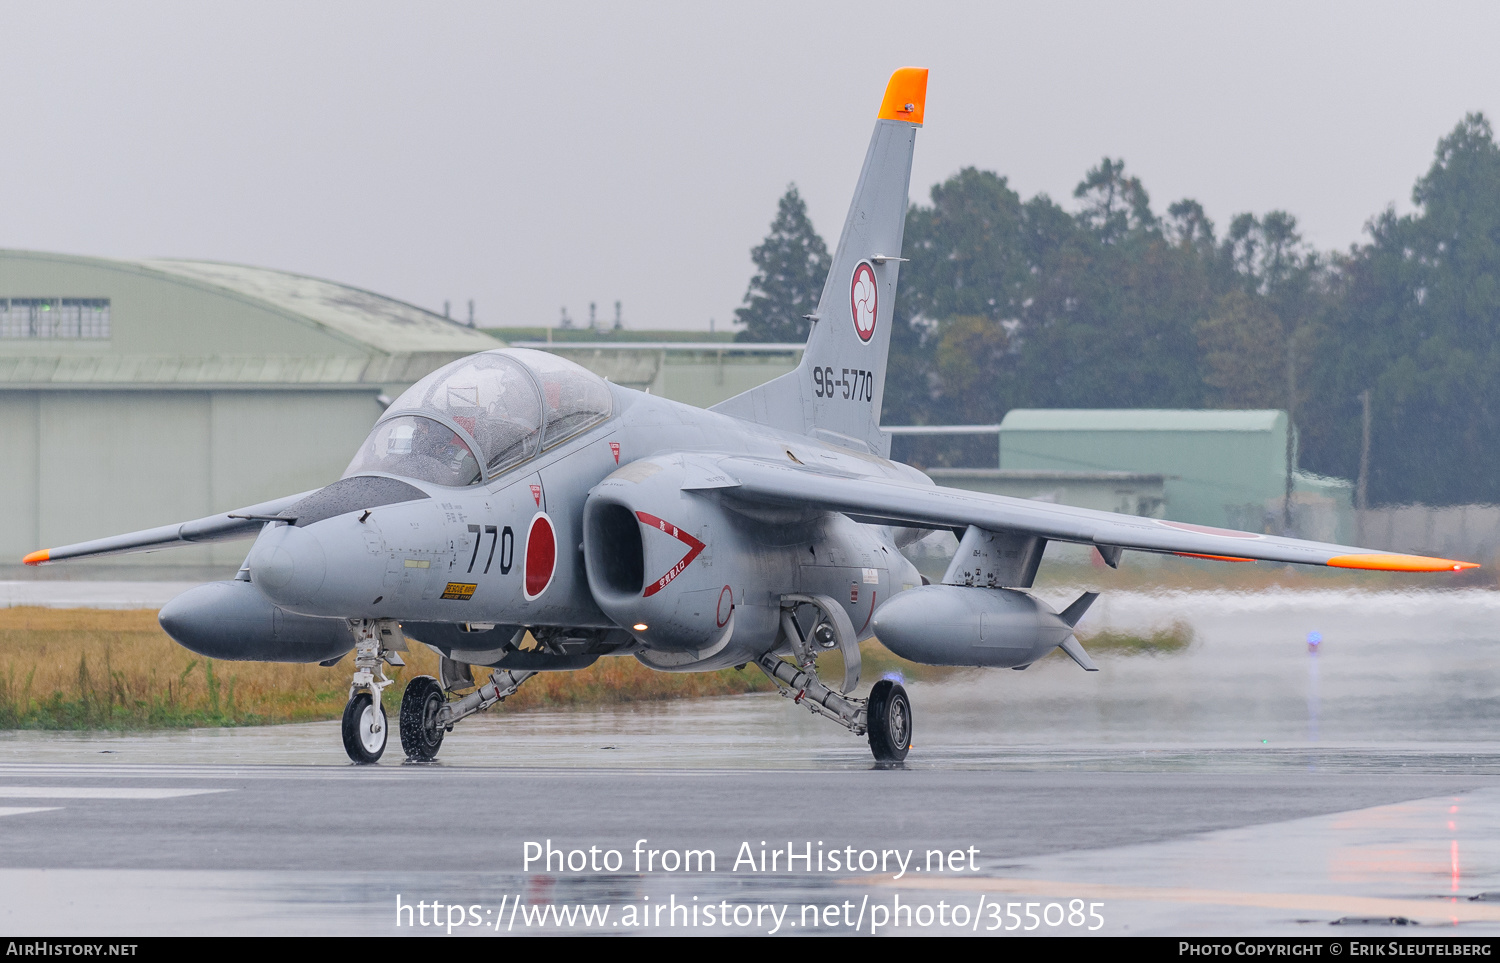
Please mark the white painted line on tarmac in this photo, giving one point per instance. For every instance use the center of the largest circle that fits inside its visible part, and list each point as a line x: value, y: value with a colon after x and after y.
x: 22, y: 810
x: 97, y: 792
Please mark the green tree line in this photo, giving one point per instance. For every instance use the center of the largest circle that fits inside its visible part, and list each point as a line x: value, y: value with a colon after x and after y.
x: 1108, y: 303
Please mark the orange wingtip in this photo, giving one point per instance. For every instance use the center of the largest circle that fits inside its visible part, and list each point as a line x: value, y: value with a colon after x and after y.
x: 905, y: 96
x: 37, y: 558
x: 1216, y: 558
x: 1399, y: 563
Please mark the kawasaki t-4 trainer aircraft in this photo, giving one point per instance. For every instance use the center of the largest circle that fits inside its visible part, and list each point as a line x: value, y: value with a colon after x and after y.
x: 514, y: 494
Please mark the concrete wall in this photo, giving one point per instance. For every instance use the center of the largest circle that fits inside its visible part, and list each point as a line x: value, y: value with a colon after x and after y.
x: 1467, y: 532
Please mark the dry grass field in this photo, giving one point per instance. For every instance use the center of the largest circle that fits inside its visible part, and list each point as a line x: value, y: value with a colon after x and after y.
x: 103, y: 669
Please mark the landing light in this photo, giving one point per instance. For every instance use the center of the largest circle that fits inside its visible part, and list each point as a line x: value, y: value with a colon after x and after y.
x: 640, y: 626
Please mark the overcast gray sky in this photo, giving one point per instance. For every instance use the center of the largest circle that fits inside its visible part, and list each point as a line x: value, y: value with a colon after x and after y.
x: 535, y: 155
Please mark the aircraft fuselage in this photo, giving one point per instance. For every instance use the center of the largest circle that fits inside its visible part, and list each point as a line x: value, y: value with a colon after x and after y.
x: 701, y: 587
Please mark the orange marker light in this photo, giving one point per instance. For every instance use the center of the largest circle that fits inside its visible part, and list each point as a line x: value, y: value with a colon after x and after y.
x: 1399, y: 563
x: 37, y: 558
x: 905, y: 96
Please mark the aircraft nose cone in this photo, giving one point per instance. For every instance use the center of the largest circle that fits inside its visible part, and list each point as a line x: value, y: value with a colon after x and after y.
x: 288, y: 564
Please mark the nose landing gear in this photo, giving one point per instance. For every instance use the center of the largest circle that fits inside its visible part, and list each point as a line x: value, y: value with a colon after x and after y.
x: 364, y: 728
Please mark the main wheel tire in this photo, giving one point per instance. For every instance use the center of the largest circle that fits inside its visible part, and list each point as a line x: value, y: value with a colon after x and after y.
x: 365, y: 729
x: 421, y: 736
x: 888, y: 714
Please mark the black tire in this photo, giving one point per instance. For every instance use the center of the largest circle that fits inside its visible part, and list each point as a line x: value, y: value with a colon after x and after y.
x: 364, y: 744
x: 888, y: 714
x: 421, y: 736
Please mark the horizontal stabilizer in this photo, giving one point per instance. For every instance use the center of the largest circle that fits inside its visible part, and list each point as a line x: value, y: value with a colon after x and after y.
x: 1075, y: 650
x: 1080, y: 605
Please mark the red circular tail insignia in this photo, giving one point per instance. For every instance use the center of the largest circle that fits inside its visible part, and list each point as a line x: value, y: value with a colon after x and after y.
x: 864, y: 300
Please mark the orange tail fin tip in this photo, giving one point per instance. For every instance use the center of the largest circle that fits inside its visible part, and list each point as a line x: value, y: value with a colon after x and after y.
x: 905, y: 96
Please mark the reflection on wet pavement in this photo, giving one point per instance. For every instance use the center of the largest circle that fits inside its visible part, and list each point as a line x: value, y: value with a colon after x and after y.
x: 1398, y: 683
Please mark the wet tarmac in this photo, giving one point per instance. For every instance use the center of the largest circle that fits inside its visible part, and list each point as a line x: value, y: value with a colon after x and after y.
x: 1247, y: 785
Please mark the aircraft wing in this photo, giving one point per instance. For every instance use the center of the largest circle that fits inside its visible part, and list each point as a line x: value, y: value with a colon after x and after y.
x: 240, y: 523
x: 894, y: 502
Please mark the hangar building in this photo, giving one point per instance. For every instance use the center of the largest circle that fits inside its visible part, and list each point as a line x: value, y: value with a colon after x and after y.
x: 1221, y: 468
x: 138, y: 393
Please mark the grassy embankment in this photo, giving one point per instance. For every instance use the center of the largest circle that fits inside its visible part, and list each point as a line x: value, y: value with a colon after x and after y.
x: 97, y: 669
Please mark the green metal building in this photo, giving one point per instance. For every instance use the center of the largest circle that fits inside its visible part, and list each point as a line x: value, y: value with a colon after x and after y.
x: 1221, y: 468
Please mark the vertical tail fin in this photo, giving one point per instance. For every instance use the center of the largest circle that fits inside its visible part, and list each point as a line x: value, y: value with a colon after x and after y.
x: 837, y: 390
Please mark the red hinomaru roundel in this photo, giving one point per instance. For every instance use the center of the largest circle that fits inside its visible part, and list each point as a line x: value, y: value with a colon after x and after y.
x: 541, y: 555
x: 863, y: 300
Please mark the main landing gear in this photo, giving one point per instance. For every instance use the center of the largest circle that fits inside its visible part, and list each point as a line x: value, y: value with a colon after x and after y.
x: 421, y: 703
x: 885, y: 716
x: 426, y: 713
x: 888, y: 714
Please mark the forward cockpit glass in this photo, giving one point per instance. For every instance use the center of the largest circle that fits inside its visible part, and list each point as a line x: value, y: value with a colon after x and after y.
x: 417, y: 447
x: 491, y: 397
x: 509, y: 404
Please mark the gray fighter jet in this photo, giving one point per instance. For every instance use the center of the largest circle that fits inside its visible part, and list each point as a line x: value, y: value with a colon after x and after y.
x: 513, y: 510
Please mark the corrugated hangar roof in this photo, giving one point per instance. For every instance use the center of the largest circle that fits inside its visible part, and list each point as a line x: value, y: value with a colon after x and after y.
x: 374, y: 319
x: 1137, y: 419
x: 186, y: 323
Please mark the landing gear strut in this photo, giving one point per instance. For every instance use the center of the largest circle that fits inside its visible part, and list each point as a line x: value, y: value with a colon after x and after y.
x: 426, y: 713
x: 365, y: 727
x: 885, y: 716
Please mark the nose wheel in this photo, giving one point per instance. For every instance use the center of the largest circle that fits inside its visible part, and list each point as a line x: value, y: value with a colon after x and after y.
x: 365, y: 729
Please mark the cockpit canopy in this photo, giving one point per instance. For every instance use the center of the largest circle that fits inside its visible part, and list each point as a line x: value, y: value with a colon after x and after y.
x: 496, y: 409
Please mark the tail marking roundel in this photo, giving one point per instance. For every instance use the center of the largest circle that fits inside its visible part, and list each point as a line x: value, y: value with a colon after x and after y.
x: 864, y: 300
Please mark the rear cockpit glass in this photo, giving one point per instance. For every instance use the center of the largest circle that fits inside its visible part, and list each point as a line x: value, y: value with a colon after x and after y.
x: 417, y: 447
x: 510, y: 404
x: 575, y: 397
